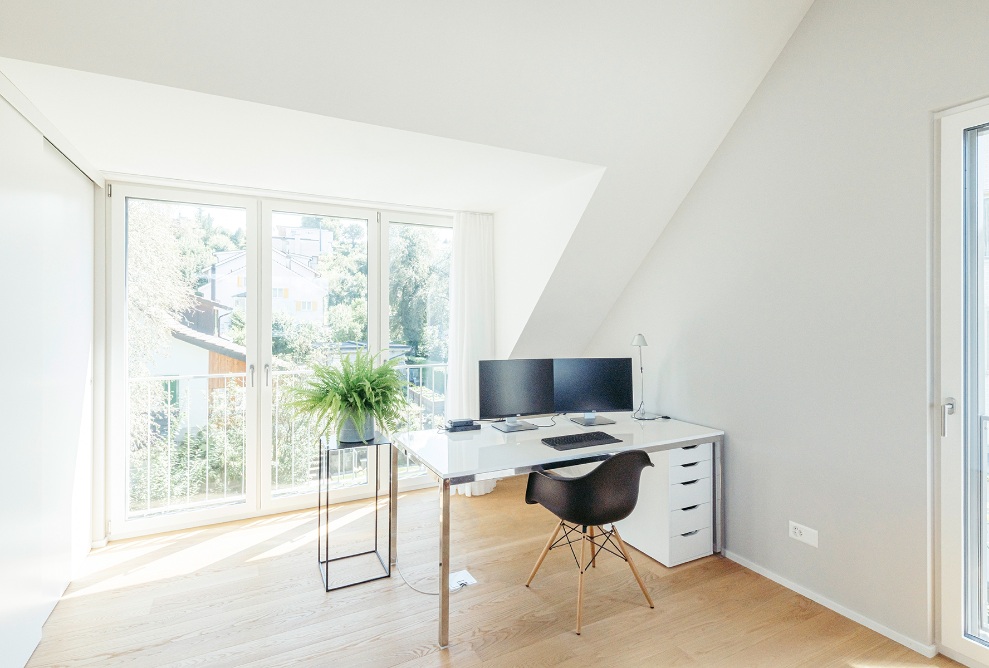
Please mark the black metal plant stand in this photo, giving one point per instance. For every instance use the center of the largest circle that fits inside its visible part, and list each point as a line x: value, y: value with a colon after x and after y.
x: 326, y: 446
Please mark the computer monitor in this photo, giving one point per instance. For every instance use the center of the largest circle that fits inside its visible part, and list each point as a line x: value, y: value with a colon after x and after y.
x: 511, y: 388
x: 590, y: 384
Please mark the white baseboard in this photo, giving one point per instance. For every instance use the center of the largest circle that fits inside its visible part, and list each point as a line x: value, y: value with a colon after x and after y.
x: 929, y: 651
x: 960, y: 658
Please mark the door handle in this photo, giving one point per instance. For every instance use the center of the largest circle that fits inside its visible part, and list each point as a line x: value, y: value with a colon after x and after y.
x: 267, y: 375
x: 252, y: 374
x: 947, y: 408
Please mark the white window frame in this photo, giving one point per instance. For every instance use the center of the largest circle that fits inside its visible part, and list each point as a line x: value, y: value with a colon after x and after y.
x: 258, y: 205
x: 952, y: 493
x: 117, y: 429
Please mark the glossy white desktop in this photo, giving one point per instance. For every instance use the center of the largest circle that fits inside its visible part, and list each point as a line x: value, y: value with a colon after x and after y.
x: 487, y: 453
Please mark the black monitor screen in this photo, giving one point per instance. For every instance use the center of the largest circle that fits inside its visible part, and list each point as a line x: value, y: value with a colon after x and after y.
x: 515, y: 387
x: 592, y: 384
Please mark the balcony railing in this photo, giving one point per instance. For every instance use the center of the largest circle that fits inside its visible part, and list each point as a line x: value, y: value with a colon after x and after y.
x: 188, y: 442
x: 426, y: 394
x: 188, y: 439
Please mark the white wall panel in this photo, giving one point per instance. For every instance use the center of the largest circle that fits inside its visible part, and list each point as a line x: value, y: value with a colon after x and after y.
x: 46, y: 339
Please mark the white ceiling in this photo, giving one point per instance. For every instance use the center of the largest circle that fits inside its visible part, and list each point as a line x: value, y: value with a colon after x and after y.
x: 647, y: 89
x: 128, y: 127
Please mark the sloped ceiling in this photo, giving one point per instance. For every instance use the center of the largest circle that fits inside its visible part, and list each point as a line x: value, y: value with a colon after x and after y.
x: 137, y: 129
x: 646, y: 89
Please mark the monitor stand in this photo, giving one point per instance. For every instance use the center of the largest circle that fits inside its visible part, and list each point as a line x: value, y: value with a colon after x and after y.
x: 513, y: 424
x: 591, y: 419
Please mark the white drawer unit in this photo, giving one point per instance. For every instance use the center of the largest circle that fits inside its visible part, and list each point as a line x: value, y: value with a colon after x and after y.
x: 690, y: 454
x: 692, y: 471
x: 673, y: 519
x: 690, y: 519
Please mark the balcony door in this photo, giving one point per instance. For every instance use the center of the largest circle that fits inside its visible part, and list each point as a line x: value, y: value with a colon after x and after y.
x: 319, y: 303
x: 225, y: 303
x: 962, y: 420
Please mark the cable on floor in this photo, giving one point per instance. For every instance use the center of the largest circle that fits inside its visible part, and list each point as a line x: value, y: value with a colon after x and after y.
x: 427, y: 593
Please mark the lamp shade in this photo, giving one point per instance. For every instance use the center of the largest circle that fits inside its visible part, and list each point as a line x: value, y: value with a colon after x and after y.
x: 639, y: 340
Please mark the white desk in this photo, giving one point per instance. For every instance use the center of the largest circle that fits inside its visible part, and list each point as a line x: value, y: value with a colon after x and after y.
x: 488, y: 453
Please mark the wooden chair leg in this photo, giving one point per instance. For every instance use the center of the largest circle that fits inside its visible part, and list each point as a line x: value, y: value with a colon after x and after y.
x: 580, y: 579
x: 631, y: 564
x: 549, y: 544
x: 593, y: 551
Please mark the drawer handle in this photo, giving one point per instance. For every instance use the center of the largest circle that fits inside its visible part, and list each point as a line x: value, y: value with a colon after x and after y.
x: 688, y: 465
x: 690, y: 482
x: 690, y: 533
x: 689, y: 447
x: 690, y: 507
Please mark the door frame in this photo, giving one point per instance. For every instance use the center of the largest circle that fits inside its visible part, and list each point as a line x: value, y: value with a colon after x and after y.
x: 268, y: 206
x: 258, y: 205
x: 949, y: 362
x: 117, y: 378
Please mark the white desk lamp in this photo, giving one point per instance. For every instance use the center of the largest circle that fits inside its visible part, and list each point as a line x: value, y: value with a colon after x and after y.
x: 639, y: 341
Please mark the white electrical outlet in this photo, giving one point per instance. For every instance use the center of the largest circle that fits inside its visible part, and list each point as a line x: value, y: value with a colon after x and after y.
x: 803, y: 534
x: 461, y: 579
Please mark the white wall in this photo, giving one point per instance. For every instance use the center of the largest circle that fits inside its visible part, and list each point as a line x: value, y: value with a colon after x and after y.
x: 786, y: 302
x: 46, y: 270
x: 529, y: 238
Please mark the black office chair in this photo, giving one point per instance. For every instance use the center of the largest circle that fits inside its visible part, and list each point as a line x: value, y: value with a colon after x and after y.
x: 604, y: 496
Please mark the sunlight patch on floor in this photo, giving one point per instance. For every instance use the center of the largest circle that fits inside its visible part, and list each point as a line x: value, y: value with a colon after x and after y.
x: 196, y: 557
x: 308, y: 539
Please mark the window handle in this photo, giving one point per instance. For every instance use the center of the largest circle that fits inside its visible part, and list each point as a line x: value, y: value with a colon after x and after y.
x: 252, y: 375
x: 267, y: 375
x: 947, y: 408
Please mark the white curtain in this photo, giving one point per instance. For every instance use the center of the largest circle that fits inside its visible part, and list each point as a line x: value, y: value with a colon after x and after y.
x: 471, y: 320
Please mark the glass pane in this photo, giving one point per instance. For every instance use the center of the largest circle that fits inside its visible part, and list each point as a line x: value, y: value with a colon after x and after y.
x: 977, y: 354
x: 419, y: 319
x: 318, y: 313
x: 186, y: 299
x: 981, y: 186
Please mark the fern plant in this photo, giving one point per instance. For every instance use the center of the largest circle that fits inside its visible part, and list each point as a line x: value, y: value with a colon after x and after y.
x: 354, y: 390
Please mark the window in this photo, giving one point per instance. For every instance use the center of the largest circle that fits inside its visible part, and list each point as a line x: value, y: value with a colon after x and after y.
x: 419, y: 314
x: 962, y: 423
x: 214, y: 343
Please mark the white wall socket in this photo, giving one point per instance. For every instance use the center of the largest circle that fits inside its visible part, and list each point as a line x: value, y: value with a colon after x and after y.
x: 803, y: 534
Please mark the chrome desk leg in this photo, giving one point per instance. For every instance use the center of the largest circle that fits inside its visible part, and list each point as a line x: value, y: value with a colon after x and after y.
x: 719, y: 497
x: 444, y: 584
x: 393, y: 506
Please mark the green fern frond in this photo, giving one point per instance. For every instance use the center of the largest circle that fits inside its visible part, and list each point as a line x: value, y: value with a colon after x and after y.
x: 354, y: 388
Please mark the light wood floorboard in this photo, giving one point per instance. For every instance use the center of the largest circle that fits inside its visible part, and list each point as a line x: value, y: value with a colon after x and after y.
x: 249, y: 594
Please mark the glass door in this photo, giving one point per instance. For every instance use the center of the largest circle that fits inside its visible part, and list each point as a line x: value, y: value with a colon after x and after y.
x: 225, y: 304
x: 317, y: 296
x: 963, y: 406
x: 420, y: 253
x: 976, y: 398
x: 189, y: 443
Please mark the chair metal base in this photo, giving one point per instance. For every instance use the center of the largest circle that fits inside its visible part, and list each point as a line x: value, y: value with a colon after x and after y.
x: 597, y: 543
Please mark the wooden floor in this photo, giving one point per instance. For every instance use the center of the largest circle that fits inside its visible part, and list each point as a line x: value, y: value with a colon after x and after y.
x: 249, y: 594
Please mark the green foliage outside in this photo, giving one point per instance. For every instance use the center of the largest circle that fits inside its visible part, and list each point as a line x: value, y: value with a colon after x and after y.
x: 189, y: 465
x: 419, y: 293
x: 167, y: 259
x: 170, y: 249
